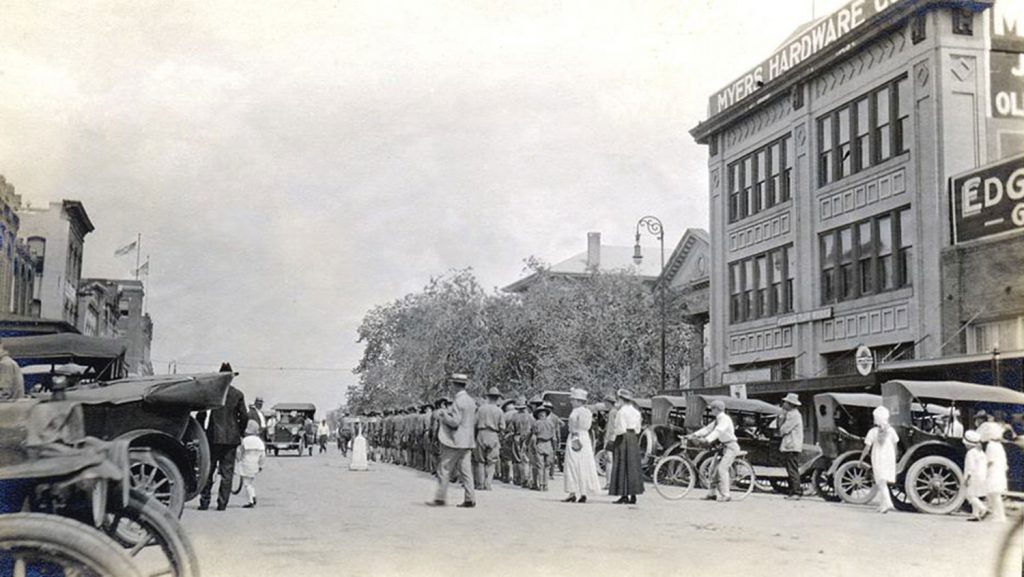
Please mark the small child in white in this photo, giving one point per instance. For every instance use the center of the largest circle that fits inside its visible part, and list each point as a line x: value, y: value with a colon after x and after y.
x: 995, y: 480
x: 975, y: 475
x: 249, y: 461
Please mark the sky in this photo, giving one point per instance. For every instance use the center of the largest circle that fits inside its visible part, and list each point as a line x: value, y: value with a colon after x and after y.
x: 290, y: 165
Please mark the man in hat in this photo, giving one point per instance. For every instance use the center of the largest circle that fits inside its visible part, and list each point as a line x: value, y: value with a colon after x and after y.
x: 791, y: 443
x: 12, y: 383
x: 609, y: 435
x: 542, y: 439
x: 224, y: 426
x: 508, y: 410
x: 521, y: 426
x: 458, y: 425
x: 720, y: 430
x: 256, y: 414
x: 556, y: 441
x: 489, y: 427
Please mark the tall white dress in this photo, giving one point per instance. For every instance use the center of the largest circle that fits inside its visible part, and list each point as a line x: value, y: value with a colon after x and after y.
x: 883, y: 453
x: 358, y: 453
x: 580, y: 466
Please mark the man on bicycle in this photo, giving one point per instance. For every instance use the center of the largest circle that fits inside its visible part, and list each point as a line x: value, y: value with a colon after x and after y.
x: 722, y: 431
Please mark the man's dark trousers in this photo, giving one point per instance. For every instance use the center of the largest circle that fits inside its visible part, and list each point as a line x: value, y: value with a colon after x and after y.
x: 222, y: 457
x: 792, y: 461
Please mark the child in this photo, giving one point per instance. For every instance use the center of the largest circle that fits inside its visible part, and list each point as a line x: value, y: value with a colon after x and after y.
x: 251, y: 455
x: 881, y: 440
x: 975, y: 474
x: 992, y: 435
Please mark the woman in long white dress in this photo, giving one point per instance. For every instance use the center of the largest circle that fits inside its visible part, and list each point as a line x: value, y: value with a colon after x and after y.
x: 881, y: 441
x: 358, y: 451
x: 580, y: 467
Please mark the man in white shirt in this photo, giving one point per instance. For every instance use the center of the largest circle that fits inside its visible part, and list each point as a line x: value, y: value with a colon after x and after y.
x: 722, y: 431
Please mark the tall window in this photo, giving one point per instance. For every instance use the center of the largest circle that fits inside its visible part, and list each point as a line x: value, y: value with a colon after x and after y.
x: 761, y: 179
x: 864, y: 132
x: 1005, y: 335
x: 867, y: 257
x: 762, y: 285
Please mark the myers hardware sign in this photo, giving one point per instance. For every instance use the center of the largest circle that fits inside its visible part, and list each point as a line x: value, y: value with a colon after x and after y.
x: 824, y: 33
x: 988, y: 200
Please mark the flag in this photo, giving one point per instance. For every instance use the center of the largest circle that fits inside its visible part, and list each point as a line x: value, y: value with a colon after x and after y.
x: 142, y: 270
x: 125, y: 249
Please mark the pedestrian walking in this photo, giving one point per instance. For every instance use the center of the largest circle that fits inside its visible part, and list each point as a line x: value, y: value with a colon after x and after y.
x: 791, y: 429
x: 224, y: 427
x: 611, y: 402
x: 256, y: 414
x: 252, y: 453
x: 542, y: 441
x: 488, y: 438
x: 720, y: 430
x: 579, y: 465
x: 506, y: 464
x: 627, y: 478
x: 991, y: 433
x: 322, y: 433
x: 881, y: 441
x: 458, y: 425
x: 522, y: 425
x: 359, y: 462
x: 12, y: 383
x: 975, y: 475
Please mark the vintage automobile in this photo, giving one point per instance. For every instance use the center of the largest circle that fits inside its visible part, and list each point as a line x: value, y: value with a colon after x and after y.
x: 843, y: 419
x: 660, y: 437
x: 288, y: 432
x: 151, y: 413
x: 930, y: 468
x: 755, y: 423
x: 65, y: 503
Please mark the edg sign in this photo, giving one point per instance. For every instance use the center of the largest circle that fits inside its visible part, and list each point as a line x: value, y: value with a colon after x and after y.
x: 988, y: 200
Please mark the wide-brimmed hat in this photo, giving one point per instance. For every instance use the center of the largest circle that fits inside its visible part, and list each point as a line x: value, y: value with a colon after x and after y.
x: 535, y: 400
x: 578, y: 394
x: 494, y: 392
x: 458, y: 379
x: 990, y: 431
x: 972, y: 438
x: 441, y: 401
x: 880, y: 415
x: 717, y: 404
x: 610, y: 398
x: 792, y: 399
x: 543, y: 407
x: 507, y: 402
x: 625, y: 394
x: 252, y: 428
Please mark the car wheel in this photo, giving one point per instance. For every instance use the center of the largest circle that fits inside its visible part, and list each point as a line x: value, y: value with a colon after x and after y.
x: 854, y: 484
x: 823, y: 485
x: 935, y: 485
x: 39, y: 543
x: 145, y: 522
x: 160, y: 479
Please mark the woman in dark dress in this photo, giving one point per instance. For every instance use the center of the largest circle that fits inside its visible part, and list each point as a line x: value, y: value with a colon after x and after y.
x: 627, y: 478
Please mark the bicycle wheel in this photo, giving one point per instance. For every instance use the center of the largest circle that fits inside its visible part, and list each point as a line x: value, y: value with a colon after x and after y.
x: 41, y: 544
x: 741, y: 479
x: 674, y: 476
x: 1011, y: 554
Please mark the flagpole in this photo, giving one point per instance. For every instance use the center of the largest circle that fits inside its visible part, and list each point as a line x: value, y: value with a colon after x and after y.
x: 138, y: 254
x: 145, y: 298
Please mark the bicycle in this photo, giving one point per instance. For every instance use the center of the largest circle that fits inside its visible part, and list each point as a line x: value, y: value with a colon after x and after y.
x: 1011, y: 556
x: 675, y: 475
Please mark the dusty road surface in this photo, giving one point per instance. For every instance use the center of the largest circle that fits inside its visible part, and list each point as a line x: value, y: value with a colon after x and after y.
x: 315, y: 517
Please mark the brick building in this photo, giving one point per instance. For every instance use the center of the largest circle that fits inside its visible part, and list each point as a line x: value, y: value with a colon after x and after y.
x: 831, y: 218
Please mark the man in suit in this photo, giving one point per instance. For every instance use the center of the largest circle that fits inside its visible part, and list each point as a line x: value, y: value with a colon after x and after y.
x: 458, y: 427
x: 224, y: 427
x: 256, y: 414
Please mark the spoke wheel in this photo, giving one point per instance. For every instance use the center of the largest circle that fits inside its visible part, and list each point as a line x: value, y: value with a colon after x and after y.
x: 935, y: 485
x: 153, y: 537
x: 603, y: 459
x: 674, y: 477
x: 741, y: 479
x: 823, y: 485
x: 854, y: 483
x: 41, y: 544
x: 161, y: 479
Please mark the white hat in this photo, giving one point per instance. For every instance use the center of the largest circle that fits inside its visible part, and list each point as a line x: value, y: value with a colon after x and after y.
x: 880, y: 415
x: 990, y: 431
x: 578, y: 394
x: 972, y: 438
x: 792, y: 399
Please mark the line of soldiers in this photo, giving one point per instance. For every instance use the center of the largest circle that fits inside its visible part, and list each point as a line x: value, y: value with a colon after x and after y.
x: 517, y: 441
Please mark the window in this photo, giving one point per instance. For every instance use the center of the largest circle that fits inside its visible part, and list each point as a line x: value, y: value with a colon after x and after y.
x: 867, y: 257
x: 1005, y: 335
x: 864, y: 132
x: 762, y: 285
x: 761, y: 179
x: 825, y: 150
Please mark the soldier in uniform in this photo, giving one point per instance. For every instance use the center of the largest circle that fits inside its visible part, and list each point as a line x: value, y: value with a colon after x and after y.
x: 557, y: 440
x: 508, y: 409
x: 489, y: 427
x: 423, y: 437
x: 542, y: 439
x: 521, y: 425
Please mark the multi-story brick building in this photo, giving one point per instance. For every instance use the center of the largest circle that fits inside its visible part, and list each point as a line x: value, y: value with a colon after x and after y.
x: 831, y: 219
x: 116, y: 308
x: 55, y: 236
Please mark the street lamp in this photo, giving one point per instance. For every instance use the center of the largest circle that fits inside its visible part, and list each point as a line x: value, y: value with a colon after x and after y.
x: 654, y: 227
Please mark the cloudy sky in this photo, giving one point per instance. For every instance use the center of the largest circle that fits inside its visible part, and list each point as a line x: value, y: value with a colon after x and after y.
x: 291, y: 164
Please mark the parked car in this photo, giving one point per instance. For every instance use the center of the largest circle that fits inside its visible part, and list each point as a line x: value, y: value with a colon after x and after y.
x: 843, y: 421
x: 288, y: 432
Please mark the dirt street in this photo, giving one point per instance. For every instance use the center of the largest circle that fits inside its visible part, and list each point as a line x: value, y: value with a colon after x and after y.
x: 315, y: 517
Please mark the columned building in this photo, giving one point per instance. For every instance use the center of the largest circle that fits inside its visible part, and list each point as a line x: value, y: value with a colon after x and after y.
x: 832, y: 219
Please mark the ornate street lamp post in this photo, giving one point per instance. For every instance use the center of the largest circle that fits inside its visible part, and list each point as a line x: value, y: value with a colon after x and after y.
x: 654, y: 227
